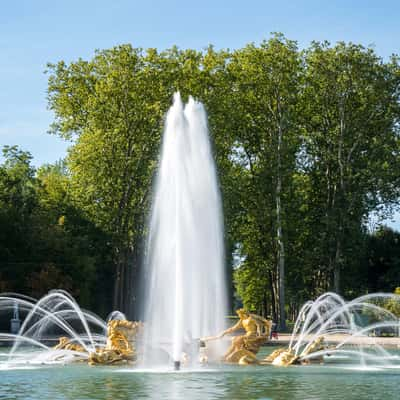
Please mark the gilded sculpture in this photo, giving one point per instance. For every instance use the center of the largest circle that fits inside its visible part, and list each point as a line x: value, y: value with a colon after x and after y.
x: 285, y: 356
x: 243, y: 348
x: 65, y: 343
x: 119, y: 348
x: 122, y: 335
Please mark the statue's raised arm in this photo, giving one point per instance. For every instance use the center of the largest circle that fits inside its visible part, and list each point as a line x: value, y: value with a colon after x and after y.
x: 233, y: 328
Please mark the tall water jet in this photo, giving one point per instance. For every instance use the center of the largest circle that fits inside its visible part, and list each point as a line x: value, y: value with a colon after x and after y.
x: 185, y: 289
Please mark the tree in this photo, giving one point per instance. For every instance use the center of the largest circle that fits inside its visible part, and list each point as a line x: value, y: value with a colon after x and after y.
x: 17, y: 201
x: 306, y: 143
x: 266, y: 82
x: 45, y: 243
x: 113, y: 107
x: 381, y: 270
x: 351, y: 146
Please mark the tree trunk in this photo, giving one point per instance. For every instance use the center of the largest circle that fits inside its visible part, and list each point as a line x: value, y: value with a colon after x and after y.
x: 125, y: 284
x: 338, y: 251
x: 264, y: 311
x: 281, y: 272
x: 121, y: 281
x: 274, y: 305
x: 133, y: 284
x: 337, y: 266
x: 281, y: 247
x: 117, y: 286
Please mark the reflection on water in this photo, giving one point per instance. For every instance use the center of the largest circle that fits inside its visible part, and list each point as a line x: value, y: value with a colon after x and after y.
x: 313, y: 382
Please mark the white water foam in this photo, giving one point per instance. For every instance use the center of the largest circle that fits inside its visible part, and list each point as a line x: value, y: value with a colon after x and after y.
x: 185, y: 296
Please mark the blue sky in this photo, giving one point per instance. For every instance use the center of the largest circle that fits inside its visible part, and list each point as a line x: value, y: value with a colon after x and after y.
x: 35, y: 32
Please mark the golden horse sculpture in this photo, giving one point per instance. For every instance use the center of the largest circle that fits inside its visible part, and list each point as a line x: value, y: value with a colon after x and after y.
x: 244, y: 348
x: 65, y: 343
x: 284, y: 356
x: 119, y: 348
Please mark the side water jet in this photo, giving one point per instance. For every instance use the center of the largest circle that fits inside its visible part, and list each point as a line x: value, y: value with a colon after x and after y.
x: 185, y: 293
x: 331, y: 327
x: 55, y: 330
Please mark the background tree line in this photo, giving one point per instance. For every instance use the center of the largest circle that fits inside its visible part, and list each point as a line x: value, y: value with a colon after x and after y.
x: 307, y: 147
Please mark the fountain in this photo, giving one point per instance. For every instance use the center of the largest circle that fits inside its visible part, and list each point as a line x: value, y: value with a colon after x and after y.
x: 326, y: 328
x: 184, y: 287
x: 81, y: 335
x: 56, y: 314
x: 185, y: 293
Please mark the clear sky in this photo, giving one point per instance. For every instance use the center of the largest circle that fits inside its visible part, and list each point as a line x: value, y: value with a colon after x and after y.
x: 34, y: 32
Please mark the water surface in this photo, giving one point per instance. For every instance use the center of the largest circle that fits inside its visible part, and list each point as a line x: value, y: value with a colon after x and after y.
x: 228, y: 382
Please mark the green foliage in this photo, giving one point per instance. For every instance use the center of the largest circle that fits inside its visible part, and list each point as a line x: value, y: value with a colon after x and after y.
x: 17, y: 199
x: 381, y: 267
x: 252, y: 286
x: 113, y: 108
x: 393, y: 304
x: 351, y: 147
x: 45, y: 242
x: 306, y: 144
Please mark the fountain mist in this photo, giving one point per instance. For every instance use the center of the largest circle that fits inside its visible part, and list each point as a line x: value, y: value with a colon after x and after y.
x: 185, y: 294
x: 54, y: 315
x: 331, y: 315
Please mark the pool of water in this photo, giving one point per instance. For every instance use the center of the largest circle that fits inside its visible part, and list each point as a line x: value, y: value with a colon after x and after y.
x: 78, y: 381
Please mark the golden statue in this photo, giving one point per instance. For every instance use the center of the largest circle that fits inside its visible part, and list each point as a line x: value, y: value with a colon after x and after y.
x: 119, y: 348
x: 67, y: 344
x: 281, y: 357
x: 120, y: 344
x: 317, y: 345
x: 244, y: 348
x: 285, y: 356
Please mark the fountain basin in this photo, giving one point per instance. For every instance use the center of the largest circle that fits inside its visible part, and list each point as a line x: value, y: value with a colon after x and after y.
x: 336, y: 380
